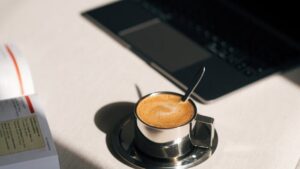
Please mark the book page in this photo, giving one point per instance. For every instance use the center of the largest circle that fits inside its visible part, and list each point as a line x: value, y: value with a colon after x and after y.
x: 15, y: 77
x: 20, y: 134
x: 25, y: 137
x: 24, y: 132
x: 19, y: 126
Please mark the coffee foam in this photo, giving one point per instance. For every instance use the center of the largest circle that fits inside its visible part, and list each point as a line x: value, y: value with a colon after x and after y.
x: 165, y: 111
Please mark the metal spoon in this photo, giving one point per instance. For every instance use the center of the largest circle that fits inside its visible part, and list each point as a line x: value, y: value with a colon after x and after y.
x: 194, y: 84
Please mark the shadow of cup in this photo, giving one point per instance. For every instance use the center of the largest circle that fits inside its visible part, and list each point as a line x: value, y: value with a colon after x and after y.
x: 110, y: 116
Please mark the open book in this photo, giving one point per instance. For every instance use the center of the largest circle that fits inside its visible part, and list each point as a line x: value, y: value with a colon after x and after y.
x: 25, y: 138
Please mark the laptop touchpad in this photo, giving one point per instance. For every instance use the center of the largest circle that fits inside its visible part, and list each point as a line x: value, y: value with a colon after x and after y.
x: 165, y: 45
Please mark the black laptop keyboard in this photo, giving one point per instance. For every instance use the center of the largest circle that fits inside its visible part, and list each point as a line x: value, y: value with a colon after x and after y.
x: 249, y: 57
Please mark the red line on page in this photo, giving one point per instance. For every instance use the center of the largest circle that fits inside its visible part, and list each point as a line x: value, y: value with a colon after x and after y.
x: 29, y: 103
x: 13, y: 58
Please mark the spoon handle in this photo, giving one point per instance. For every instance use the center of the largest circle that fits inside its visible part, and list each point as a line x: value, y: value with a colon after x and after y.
x: 194, y: 84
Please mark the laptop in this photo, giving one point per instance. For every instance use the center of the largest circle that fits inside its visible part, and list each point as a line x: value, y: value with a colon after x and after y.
x: 239, y: 42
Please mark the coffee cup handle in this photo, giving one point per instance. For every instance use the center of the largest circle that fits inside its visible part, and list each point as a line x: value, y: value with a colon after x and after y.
x: 202, y: 131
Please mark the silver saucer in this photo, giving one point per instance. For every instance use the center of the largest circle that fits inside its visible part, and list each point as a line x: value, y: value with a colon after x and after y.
x: 121, y: 143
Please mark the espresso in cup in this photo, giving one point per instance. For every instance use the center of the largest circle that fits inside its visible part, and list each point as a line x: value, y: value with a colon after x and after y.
x: 167, y: 127
x: 165, y: 110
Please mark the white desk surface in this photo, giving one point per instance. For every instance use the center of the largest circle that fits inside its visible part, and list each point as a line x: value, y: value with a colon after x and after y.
x: 78, y: 69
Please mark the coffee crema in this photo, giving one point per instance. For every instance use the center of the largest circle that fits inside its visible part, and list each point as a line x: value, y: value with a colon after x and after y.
x: 165, y: 111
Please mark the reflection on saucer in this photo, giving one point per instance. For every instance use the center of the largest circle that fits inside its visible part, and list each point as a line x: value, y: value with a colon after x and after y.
x: 121, y: 143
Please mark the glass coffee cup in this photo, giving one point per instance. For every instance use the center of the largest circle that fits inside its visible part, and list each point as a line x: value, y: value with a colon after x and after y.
x: 168, y: 128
